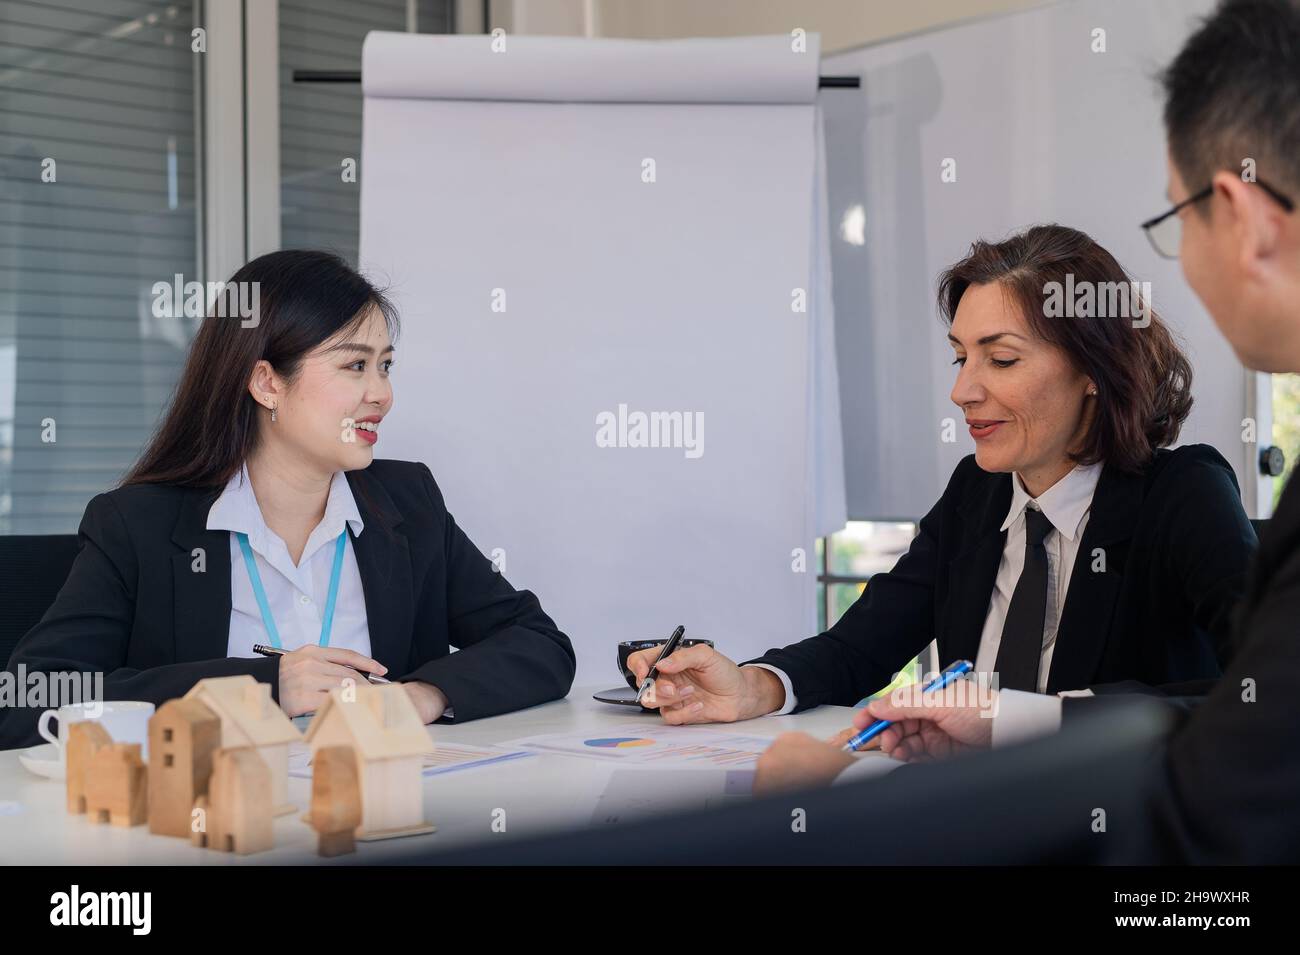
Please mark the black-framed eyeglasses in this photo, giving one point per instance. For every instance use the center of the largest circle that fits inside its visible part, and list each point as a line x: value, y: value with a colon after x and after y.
x: 1165, y: 232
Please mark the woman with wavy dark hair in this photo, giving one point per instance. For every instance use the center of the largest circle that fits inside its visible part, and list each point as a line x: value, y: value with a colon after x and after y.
x: 1072, y: 549
x: 260, y: 515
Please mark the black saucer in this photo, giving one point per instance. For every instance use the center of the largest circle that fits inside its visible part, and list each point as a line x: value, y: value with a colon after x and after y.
x: 620, y: 696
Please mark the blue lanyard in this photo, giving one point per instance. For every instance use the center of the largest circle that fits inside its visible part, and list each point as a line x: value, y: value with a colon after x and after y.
x: 259, y: 592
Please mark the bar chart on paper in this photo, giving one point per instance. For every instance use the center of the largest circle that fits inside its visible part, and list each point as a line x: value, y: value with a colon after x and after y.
x: 635, y: 743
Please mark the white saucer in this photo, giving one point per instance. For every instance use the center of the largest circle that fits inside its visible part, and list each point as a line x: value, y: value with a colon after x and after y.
x: 44, y: 761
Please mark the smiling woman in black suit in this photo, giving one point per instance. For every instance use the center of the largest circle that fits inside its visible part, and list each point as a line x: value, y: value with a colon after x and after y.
x: 258, y: 515
x: 1072, y: 549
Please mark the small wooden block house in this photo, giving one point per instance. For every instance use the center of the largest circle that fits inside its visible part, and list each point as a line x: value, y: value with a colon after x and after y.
x: 237, y: 806
x: 335, y: 799
x: 249, y: 717
x: 381, y: 726
x: 184, y: 735
x: 117, y: 789
x: 85, y: 738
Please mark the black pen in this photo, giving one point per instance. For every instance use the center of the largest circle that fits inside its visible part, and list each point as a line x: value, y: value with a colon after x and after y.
x: 672, y: 644
x: 263, y: 650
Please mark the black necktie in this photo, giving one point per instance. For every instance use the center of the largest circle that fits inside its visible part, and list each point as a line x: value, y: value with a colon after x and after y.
x: 1022, y: 634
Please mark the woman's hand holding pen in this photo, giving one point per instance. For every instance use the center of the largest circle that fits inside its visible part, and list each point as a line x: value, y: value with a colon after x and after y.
x: 309, y: 673
x: 699, y: 685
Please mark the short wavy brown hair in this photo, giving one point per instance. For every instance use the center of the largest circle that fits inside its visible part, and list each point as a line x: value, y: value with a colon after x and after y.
x: 1143, y: 379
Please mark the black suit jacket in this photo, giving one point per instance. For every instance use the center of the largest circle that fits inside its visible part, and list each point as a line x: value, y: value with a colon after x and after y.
x: 1228, y: 788
x: 134, y: 608
x: 1176, y: 545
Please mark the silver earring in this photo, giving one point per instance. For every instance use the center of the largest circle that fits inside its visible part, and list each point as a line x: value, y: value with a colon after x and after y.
x: 272, y: 412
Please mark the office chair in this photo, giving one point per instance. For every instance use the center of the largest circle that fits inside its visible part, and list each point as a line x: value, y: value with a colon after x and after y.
x: 32, y: 570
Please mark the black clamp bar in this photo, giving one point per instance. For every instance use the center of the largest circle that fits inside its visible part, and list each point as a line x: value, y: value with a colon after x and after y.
x: 354, y: 76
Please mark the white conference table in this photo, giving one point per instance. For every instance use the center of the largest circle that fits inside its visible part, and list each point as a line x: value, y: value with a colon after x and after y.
x: 538, y: 794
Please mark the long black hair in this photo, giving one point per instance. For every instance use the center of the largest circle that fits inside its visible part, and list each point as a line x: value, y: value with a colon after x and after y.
x: 303, y: 298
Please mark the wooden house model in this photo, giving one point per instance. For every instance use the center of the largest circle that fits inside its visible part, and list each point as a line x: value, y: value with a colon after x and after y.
x: 389, y: 742
x: 85, y: 738
x: 250, y: 718
x: 335, y: 799
x: 116, y: 785
x: 237, y: 806
x: 184, y: 735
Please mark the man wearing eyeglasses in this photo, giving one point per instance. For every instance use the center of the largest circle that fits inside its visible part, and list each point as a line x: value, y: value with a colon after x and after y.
x: 1228, y: 790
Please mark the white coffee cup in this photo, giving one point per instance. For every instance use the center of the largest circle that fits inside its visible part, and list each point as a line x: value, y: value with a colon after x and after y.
x: 127, y: 721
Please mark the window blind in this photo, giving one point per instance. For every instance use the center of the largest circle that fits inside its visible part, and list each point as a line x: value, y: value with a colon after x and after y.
x: 97, y: 203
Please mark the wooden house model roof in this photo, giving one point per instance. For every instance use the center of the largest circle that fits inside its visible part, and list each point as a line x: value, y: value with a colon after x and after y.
x: 248, y: 704
x: 187, y: 710
x: 381, y: 720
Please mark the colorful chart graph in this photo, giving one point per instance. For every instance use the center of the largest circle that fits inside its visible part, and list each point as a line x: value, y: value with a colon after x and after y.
x: 619, y: 742
x: 635, y: 742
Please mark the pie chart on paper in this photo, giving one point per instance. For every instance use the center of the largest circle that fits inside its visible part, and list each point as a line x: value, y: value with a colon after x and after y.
x: 619, y: 742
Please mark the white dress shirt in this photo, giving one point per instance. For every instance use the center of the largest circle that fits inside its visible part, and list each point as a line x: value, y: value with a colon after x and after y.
x: 295, y: 594
x: 1066, y: 504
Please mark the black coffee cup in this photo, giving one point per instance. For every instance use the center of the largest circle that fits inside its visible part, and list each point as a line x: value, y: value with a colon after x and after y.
x: 629, y: 647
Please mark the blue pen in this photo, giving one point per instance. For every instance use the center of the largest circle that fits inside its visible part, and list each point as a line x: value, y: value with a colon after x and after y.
x: 954, y: 672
